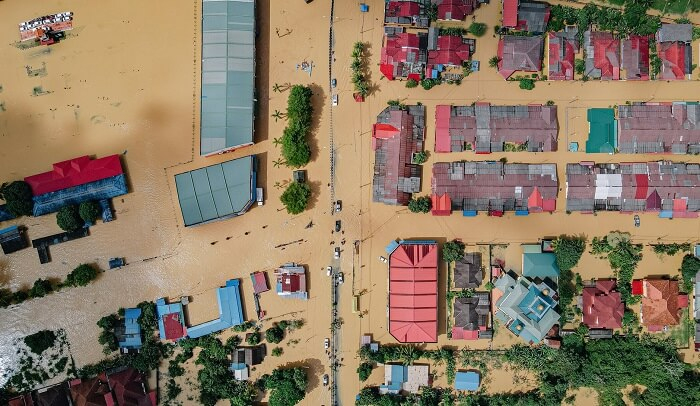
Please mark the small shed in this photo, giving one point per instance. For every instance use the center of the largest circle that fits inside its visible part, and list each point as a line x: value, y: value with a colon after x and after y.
x: 259, y: 282
x: 468, y: 380
x: 12, y: 239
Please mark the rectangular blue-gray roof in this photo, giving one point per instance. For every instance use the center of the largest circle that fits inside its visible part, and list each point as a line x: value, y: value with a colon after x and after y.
x: 228, y: 75
x: 217, y: 191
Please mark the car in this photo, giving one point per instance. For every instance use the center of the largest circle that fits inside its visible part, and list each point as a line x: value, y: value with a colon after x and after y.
x: 637, y: 222
x: 325, y: 379
x: 329, y: 270
x: 341, y: 277
x: 337, y: 226
x: 335, y: 99
x: 338, y: 206
x: 334, y: 82
x: 326, y: 343
x: 299, y: 176
x: 383, y: 259
x: 336, y: 253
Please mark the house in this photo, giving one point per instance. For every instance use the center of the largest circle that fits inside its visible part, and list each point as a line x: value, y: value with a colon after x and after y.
x: 230, y: 311
x: 471, y: 316
x: 563, y: 47
x: 674, y: 48
x: 602, y: 51
x: 129, y: 333
x: 455, y: 10
x: 398, y: 134
x: 666, y: 187
x: 646, y: 128
x: 602, y: 305
x: 404, y: 55
x: 91, y: 392
x: 468, y: 380
x: 525, y: 15
x: 447, y: 54
x: 468, y: 272
x: 484, y: 128
x: 171, y: 320
x: 519, y: 54
x: 244, y: 357
x: 635, y: 58
x: 12, y: 239
x: 291, y: 281
x: 55, y: 395
x: 539, y: 264
x: 22, y: 400
x: 409, y: 379
x: 259, y: 280
x: 601, y: 131
x: 496, y: 187
x: 526, y: 308
x: 661, y: 302
x: 413, y: 292
x: 412, y: 13
x: 129, y: 387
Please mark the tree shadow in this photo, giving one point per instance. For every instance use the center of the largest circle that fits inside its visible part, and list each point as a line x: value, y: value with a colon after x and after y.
x: 315, y: 193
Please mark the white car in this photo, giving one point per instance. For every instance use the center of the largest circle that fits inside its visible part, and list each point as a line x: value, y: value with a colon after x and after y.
x: 325, y: 379
x: 383, y: 259
x: 336, y: 253
x: 341, y: 278
x: 338, y: 206
x: 329, y: 270
x: 326, y: 343
x: 335, y: 99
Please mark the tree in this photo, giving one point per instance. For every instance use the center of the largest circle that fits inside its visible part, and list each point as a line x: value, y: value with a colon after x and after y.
x: 579, y: 66
x: 689, y: 267
x: 420, y: 157
x: 81, y: 275
x: 428, y: 84
x: 364, y: 371
x: 253, y: 338
x: 68, y: 218
x: 296, y: 197
x: 274, y: 334
x: 41, y: 288
x: 452, y: 251
x: 18, y: 197
x: 494, y: 61
x: 295, y: 148
x: 411, y: 83
x: 40, y: 341
x: 89, y: 211
x: 420, y: 204
x: 477, y: 29
x: 527, y: 83
x: 568, y: 250
x: 277, y: 351
x: 287, y: 386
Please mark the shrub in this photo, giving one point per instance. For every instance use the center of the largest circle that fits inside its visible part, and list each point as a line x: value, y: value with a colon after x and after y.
x: 41, y: 288
x: 253, y: 338
x: 68, y: 218
x: 274, y: 334
x: 579, y: 66
x: 420, y: 157
x: 40, y: 341
x: 18, y: 197
x: 421, y: 204
x: 296, y: 197
x: 428, y: 84
x: 494, y: 61
x: 364, y: 371
x: 411, y: 83
x: 452, y: 250
x: 89, y: 211
x: 477, y: 29
x: 527, y: 84
x: 689, y: 267
x: 277, y: 351
x: 81, y: 276
x: 568, y: 250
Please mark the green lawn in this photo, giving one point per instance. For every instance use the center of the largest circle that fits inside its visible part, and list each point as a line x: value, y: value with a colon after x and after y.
x: 681, y: 333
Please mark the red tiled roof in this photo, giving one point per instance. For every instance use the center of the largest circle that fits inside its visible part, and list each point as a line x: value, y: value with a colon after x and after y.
x: 510, y: 13
x: 74, y: 172
x: 413, y: 293
x: 259, y: 282
x: 290, y: 282
x: 92, y: 392
x: 518, y: 53
x: 384, y: 131
x: 561, y: 57
x: 442, y: 128
x: 635, y: 57
x: 23, y: 400
x: 606, y: 54
x: 399, y: 8
x: 398, y: 49
x: 672, y: 56
x: 173, y: 326
x: 129, y: 388
x: 451, y: 50
x: 602, y: 306
x: 660, y: 302
x: 441, y: 205
x: 457, y: 9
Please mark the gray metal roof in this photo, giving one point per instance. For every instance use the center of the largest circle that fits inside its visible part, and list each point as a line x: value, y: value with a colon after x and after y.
x: 217, y: 191
x: 228, y: 74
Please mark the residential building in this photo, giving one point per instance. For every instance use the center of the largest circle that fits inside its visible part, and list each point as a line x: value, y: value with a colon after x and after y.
x: 563, y: 47
x: 22, y: 400
x: 217, y: 192
x: 468, y: 272
x: 447, y: 55
x: 635, y: 58
x: 129, y: 387
x: 259, y: 280
x: 129, y: 332
x: 171, y: 320
x: 666, y: 187
x: 398, y: 378
x: 404, y: 55
x: 495, y: 187
x: 601, y: 131
x: 602, y: 51
x: 662, y: 303
x: 412, y: 13
x: 539, y: 264
x: 228, y: 75
x: 602, y: 305
x: 54, y: 395
x: 230, y: 311
x: 647, y: 128
x: 484, y: 128
x: 526, y: 308
x: 467, y: 380
x: 398, y: 134
x: 12, y: 239
x: 525, y: 15
x: 519, y: 54
x: 91, y: 392
x: 674, y: 48
x: 471, y: 316
x: 243, y: 358
x: 455, y: 10
x: 291, y: 281
x: 413, y: 292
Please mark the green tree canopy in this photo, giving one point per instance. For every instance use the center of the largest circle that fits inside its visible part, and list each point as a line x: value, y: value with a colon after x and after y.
x: 41, y: 288
x: 296, y: 197
x: 421, y: 204
x: 253, y: 338
x: 364, y: 371
x: 411, y: 83
x: 274, y: 334
x: 40, y: 341
x: 18, y: 197
x: 568, y: 250
x: 494, y: 61
x: 82, y: 275
x: 452, y: 250
x: 287, y: 386
x: 689, y: 267
x: 89, y: 211
x: 68, y: 218
x: 477, y: 29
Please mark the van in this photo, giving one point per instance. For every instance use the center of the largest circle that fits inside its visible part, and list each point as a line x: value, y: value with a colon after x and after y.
x: 259, y: 196
x: 335, y: 99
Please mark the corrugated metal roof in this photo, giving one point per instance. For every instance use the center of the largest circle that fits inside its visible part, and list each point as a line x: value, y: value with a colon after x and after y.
x: 228, y: 74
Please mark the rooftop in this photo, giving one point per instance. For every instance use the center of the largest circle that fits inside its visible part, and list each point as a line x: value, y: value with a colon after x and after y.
x: 676, y: 60
x: 130, y: 336
x: 659, y: 128
x: 129, y: 388
x: 230, y: 311
x: 602, y: 55
x: 467, y: 380
x: 407, y: 378
x: 106, y: 188
x: 171, y: 320
x: 468, y: 273
x: 601, y: 131
x: 406, y: 12
x: 471, y: 314
x: 291, y: 281
x: 675, y: 33
x: 602, y: 305
x: 75, y: 172
x: 563, y: 47
x: 532, y: 16
x: 538, y: 264
x: 660, y: 305
x: 91, y: 392
x: 519, y: 53
x: 404, y: 55
x: 455, y: 10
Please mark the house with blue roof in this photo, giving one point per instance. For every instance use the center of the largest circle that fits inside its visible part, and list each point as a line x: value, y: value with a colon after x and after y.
x: 171, y: 320
x: 526, y: 308
x: 129, y: 334
x: 468, y: 380
x: 399, y: 378
x: 539, y: 264
x: 230, y: 311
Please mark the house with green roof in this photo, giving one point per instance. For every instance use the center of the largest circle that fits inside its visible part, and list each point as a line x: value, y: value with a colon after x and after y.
x: 539, y: 264
x: 602, y: 130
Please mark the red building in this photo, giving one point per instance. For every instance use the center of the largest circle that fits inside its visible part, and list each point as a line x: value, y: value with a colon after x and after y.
x: 448, y: 50
x: 602, y: 55
x: 519, y: 53
x: 563, y: 47
x: 75, y: 172
x: 413, y: 292
x: 455, y: 10
x: 404, y: 55
x: 129, y: 388
x: 406, y: 13
x: 602, y: 305
x: 635, y: 58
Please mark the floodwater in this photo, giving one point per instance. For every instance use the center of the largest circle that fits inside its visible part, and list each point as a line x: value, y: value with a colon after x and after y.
x: 127, y: 81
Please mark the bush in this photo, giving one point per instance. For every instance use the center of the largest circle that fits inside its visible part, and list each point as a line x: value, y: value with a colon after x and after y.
x: 579, y: 66
x: 527, y: 84
x: 689, y: 267
x: 494, y: 61
x: 40, y: 341
x: 364, y: 371
x: 89, y: 211
x: 274, y: 335
x: 420, y: 157
x: 411, y: 83
x: 81, y: 276
x: 295, y: 148
x: 41, y: 288
x: 18, y: 197
x: 428, y: 84
x: 287, y: 386
x: 568, y: 250
x: 68, y: 218
x: 452, y: 250
x: 421, y: 204
x: 477, y: 29
x: 296, y: 197
x: 277, y: 351
x: 253, y: 338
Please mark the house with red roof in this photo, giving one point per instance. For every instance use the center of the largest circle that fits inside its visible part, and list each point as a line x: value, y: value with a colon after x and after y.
x: 602, y: 55
x: 673, y: 45
x: 525, y: 15
x: 171, y: 320
x: 74, y: 172
x: 635, y: 58
x: 398, y: 134
x: 447, y: 54
x: 91, y: 392
x: 661, y: 128
x: 496, y: 187
x: 291, y: 281
x: 413, y: 292
x: 22, y: 400
x: 484, y: 128
x: 562, y: 49
x: 404, y: 55
x: 662, y: 303
x: 455, y: 10
x: 519, y: 54
x: 412, y: 13
x: 602, y: 305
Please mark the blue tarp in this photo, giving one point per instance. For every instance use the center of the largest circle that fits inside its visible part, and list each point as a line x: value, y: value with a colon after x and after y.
x: 666, y: 214
x: 391, y: 247
x: 469, y: 213
x: 98, y: 190
x: 467, y: 380
x: 230, y: 311
x: 521, y: 212
x: 364, y: 8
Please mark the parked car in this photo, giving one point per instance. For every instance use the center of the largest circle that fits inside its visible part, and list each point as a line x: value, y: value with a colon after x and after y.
x: 335, y: 99
x: 299, y: 176
x: 341, y: 277
x: 383, y: 259
x: 259, y: 195
x: 337, y: 226
x: 336, y: 253
x: 325, y: 379
x: 637, y: 221
x: 334, y: 82
x: 329, y: 270
x: 116, y: 263
x: 338, y: 206
x: 326, y: 343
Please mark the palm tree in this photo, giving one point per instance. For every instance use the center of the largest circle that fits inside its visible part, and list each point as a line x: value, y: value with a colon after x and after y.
x: 277, y: 141
x: 493, y: 62
x: 409, y: 354
x: 276, y: 87
x: 278, y: 114
x: 278, y: 162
